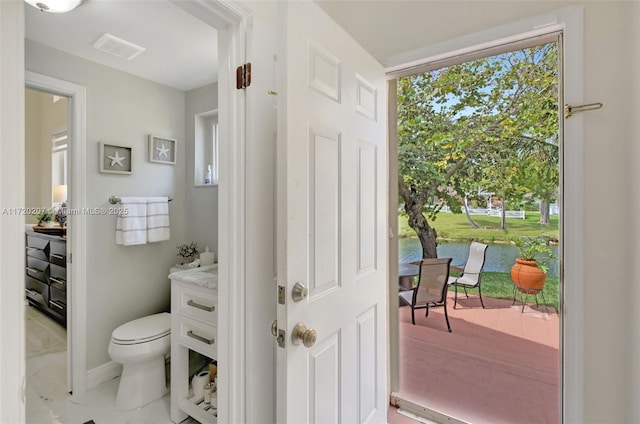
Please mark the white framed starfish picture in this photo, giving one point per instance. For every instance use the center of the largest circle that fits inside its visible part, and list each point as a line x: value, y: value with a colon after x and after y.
x: 162, y: 150
x: 115, y: 159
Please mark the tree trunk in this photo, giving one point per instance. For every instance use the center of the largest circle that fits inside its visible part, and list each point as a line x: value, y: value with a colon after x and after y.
x: 419, y: 222
x: 544, y: 212
x: 466, y: 212
x: 503, y: 219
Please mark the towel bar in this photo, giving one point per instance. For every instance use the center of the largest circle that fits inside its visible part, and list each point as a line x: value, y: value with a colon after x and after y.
x: 114, y: 200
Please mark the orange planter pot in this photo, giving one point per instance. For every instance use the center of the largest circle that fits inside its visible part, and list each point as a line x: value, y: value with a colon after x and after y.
x: 527, y: 277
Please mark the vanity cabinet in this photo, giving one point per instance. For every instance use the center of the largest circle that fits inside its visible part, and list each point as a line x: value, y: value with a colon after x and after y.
x: 46, y: 274
x: 194, y: 318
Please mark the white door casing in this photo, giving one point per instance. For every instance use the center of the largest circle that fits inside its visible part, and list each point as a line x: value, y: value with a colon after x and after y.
x: 332, y: 222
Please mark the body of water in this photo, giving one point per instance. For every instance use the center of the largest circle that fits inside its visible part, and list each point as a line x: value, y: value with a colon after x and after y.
x: 500, y: 257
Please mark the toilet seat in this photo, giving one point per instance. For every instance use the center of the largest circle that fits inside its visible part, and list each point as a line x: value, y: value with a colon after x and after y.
x: 143, y: 330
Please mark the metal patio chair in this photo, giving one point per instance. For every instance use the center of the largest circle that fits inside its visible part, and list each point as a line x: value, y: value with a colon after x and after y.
x: 471, y: 276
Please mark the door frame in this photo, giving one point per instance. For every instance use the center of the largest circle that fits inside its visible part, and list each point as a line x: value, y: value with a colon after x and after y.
x: 76, y: 238
x: 232, y: 20
x: 568, y: 22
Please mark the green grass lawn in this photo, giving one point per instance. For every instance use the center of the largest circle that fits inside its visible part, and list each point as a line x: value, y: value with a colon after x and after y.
x: 499, y: 286
x: 452, y: 226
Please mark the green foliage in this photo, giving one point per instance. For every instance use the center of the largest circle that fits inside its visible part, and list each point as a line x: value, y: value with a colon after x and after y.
x: 188, y: 249
x: 534, y: 249
x: 45, y: 215
x: 486, y: 125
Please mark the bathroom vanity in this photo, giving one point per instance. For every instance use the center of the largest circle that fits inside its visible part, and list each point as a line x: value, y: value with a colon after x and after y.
x: 194, y: 319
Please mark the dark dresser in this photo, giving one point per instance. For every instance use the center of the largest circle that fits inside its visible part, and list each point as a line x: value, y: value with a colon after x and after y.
x: 46, y: 274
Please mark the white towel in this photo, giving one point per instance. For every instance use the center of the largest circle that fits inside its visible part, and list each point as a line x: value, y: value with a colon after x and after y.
x: 131, y: 223
x: 158, y: 219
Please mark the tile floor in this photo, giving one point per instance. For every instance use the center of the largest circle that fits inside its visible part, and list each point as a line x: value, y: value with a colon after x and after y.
x: 47, y: 400
x: 497, y: 366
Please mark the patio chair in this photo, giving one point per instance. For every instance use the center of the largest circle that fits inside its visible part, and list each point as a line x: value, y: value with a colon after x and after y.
x: 472, y: 274
x: 431, y: 289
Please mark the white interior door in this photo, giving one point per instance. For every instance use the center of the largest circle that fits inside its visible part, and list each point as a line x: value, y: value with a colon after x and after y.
x: 331, y: 222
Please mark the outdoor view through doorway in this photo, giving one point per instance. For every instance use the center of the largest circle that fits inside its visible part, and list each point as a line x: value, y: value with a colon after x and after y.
x: 479, y: 159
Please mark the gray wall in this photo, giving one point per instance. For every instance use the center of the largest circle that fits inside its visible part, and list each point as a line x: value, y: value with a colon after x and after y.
x: 123, y: 283
x: 202, y: 213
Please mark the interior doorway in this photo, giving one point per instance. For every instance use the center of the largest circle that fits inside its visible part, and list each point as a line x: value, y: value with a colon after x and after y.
x: 455, y: 364
x: 47, y: 344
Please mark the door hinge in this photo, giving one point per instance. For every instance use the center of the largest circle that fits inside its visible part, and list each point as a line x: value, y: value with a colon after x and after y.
x: 243, y: 76
x: 70, y: 258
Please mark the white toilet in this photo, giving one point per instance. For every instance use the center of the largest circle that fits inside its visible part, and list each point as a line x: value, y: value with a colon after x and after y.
x: 140, y: 346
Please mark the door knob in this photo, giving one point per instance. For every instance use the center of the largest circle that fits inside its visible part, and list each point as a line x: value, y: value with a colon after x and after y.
x: 304, y: 335
x: 274, y: 328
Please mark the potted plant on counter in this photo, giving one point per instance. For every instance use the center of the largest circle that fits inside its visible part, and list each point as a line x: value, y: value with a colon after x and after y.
x: 528, y: 273
x: 45, y: 218
x: 187, y: 252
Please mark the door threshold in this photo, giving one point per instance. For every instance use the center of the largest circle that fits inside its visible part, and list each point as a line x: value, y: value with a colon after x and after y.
x: 421, y: 413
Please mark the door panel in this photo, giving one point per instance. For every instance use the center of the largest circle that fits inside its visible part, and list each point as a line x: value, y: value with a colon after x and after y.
x: 332, y: 222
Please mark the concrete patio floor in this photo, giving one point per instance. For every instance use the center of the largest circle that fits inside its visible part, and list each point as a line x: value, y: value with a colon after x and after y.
x: 498, y: 365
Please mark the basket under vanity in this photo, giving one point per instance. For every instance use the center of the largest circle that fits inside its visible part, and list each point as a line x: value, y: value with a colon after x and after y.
x: 194, y: 326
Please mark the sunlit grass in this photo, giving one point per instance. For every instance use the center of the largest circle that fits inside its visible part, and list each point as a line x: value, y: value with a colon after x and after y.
x: 452, y: 226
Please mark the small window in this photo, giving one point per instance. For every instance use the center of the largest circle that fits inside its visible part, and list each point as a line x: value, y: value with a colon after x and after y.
x: 206, y: 149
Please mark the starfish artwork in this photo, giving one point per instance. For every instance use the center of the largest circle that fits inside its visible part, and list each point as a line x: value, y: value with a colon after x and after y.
x: 116, y: 159
x: 163, y: 151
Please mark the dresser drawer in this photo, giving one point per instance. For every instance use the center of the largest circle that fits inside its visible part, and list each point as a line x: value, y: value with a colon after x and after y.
x: 37, y: 269
x: 58, y: 253
x: 57, y: 273
x: 36, y: 290
x: 58, y: 301
x: 38, y: 253
x: 195, y: 335
x: 58, y: 283
x: 37, y: 242
x: 197, y: 304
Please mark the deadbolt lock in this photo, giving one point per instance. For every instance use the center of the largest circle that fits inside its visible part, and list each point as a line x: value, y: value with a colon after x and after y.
x: 299, y: 292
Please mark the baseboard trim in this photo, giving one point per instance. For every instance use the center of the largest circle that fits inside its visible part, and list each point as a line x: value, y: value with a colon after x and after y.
x: 102, y: 373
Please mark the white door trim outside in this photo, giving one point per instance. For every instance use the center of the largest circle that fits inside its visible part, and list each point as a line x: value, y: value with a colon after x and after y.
x: 77, y: 235
x: 570, y: 22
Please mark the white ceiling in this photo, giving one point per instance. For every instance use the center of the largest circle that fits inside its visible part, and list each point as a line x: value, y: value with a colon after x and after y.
x: 181, y: 50
x: 388, y: 29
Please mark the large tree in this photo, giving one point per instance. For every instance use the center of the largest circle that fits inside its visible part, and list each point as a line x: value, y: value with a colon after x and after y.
x: 453, y: 122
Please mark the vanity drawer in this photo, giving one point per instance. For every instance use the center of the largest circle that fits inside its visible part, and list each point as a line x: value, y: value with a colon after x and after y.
x: 58, y: 253
x: 36, y: 291
x: 37, y: 268
x: 202, y: 338
x: 198, y: 304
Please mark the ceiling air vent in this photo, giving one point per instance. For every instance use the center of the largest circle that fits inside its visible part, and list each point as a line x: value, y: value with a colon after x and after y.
x: 118, y: 47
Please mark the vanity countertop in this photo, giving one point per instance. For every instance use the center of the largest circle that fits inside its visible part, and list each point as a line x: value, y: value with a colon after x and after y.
x: 204, y: 276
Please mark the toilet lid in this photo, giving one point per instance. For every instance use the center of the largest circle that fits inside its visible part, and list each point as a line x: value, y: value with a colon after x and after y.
x: 147, y: 328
